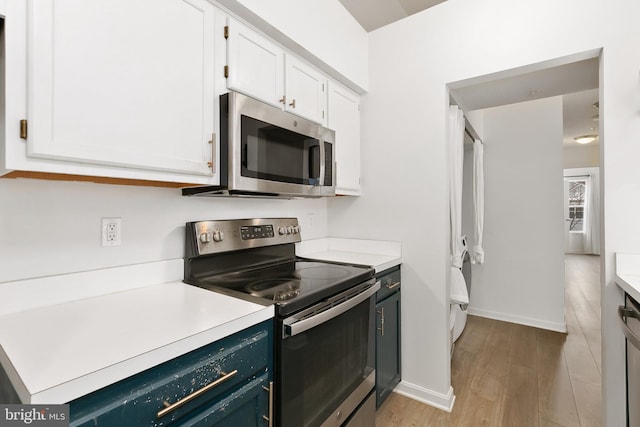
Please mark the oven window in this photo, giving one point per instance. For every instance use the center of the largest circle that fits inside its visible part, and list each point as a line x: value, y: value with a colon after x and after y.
x: 322, y: 366
x: 276, y: 154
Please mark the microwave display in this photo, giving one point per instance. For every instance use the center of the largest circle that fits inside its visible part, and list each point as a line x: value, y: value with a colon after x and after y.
x: 273, y: 153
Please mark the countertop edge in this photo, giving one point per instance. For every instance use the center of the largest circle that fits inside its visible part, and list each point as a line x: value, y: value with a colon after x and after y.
x: 360, y: 246
x: 630, y: 283
x: 628, y: 273
x: 377, y: 261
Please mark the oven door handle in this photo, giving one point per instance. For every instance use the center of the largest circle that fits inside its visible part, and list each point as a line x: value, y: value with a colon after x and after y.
x: 318, y: 319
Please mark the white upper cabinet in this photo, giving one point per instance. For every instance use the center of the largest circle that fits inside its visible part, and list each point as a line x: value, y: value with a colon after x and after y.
x: 121, y: 83
x: 255, y: 65
x: 344, y: 119
x: 261, y: 69
x: 305, y: 90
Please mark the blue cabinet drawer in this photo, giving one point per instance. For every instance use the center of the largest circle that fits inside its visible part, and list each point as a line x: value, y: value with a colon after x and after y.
x: 234, y: 362
x: 248, y: 406
x: 389, y: 282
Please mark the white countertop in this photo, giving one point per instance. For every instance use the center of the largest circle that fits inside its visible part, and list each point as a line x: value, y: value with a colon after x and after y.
x: 379, y: 254
x: 56, y: 353
x: 628, y: 274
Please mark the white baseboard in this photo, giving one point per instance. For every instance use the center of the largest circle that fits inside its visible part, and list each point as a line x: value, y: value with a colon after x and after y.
x: 424, y: 395
x: 527, y: 321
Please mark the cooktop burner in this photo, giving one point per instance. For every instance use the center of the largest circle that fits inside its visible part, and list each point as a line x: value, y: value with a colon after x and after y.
x: 275, y: 289
x: 324, y: 272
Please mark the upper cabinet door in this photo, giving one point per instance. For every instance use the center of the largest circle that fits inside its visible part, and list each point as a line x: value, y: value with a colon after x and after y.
x: 344, y: 119
x: 255, y: 64
x: 122, y: 83
x: 306, y: 93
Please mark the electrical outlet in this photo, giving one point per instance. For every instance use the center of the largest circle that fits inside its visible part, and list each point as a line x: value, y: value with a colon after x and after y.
x: 111, y: 231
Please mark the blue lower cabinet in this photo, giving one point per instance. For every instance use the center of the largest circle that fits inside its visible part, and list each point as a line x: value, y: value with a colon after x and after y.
x: 221, y: 384
x: 388, y: 333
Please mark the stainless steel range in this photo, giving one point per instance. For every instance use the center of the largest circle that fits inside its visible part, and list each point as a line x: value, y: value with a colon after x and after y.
x: 325, y: 313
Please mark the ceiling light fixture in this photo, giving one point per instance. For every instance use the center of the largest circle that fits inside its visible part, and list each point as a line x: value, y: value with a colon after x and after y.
x: 585, y: 139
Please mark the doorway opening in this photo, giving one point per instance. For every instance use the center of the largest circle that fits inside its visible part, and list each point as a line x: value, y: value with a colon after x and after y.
x: 530, y: 277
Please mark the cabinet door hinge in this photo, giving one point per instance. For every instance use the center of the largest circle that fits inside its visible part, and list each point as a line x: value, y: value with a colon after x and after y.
x: 226, y: 71
x: 323, y: 114
x: 23, y: 129
x: 226, y: 31
x: 323, y: 87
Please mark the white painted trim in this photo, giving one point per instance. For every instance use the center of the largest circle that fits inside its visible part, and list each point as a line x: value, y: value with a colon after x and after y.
x: 527, y: 321
x: 424, y: 395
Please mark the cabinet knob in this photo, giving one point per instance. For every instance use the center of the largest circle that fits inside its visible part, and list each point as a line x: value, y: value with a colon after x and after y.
x: 283, y: 100
x: 293, y: 104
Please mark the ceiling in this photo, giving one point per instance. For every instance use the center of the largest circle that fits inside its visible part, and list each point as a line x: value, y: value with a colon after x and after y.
x: 373, y: 14
x: 576, y: 82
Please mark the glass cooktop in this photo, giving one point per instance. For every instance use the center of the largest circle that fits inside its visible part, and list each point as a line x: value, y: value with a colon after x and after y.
x: 291, y: 285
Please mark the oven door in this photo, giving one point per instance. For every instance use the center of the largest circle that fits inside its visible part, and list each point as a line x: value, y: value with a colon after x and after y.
x: 326, y: 361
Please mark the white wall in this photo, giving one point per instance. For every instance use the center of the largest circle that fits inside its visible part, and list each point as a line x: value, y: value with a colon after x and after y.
x: 49, y: 227
x: 522, y: 279
x: 581, y: 156
x: 404, y: 163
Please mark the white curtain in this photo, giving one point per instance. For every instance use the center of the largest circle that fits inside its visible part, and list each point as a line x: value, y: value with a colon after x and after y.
x: 592, y: 226
x: 478, y: 202
x: 456, y: 157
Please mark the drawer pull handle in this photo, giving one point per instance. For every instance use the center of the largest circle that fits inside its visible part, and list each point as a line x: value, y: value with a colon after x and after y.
x: 269, y: 418
x: 393, y: 285
x: 172, y: 407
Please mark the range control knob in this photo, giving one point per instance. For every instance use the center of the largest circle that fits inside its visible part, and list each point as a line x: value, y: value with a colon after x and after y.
x: 296, y: 229
x: 289, y: 229
x: 282, y: 230
x: 205, y: 237
x: 218, y: 236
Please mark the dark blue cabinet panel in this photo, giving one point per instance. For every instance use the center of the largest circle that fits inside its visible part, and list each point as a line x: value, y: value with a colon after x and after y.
x: 242, y: 363
x: 387, y: 334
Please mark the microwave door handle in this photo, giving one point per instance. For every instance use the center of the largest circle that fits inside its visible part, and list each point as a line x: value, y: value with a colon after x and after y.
x: 320, y: 318
x: 322, y: 162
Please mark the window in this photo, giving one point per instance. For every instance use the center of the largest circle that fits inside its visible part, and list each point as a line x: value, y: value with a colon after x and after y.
x: 577, y: 195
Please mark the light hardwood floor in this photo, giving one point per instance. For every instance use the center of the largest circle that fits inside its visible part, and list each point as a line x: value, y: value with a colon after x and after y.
x: 505, y: 374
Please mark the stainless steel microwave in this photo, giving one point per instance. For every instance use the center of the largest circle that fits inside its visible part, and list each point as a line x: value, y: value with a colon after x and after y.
x: 265, y: 151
